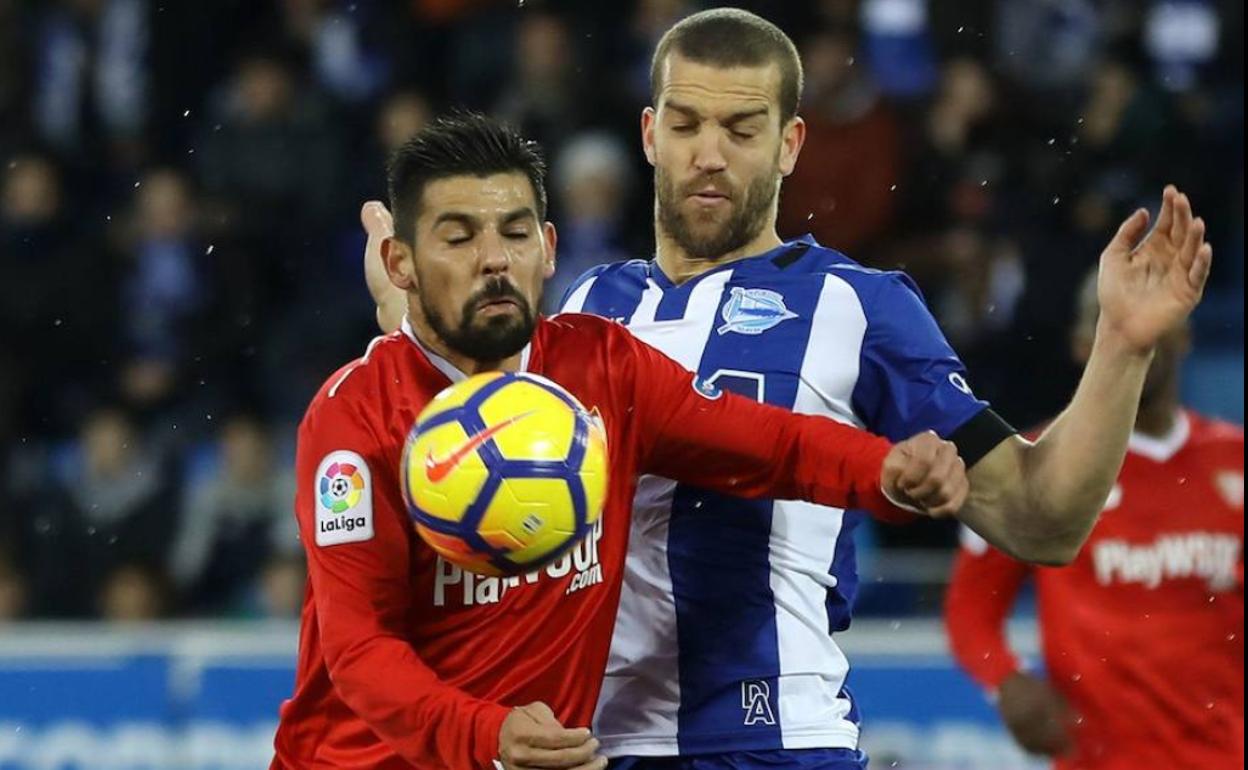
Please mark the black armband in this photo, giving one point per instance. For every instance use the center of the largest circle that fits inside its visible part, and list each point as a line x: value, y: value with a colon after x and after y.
x: 980, y: 435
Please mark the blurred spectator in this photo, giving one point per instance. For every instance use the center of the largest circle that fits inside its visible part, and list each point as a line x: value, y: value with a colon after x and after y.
x: 134, y: 592
x: 1182, y: 39
x: 110, y: 502
x: 898, y: 46
x: 12, y: 590
x: 90, y: 75
x: 542, y: 98
x: 55, y: 290
x: 842, y: 188
x: 1047, y: 44
x: 592, y: 183
x: 281, y: 588
x: 237, y: 517
x: 960, y: 163
x: 270, y: 153
x: 165, y: 287
x: 341, y: 60
x: 401, y: 116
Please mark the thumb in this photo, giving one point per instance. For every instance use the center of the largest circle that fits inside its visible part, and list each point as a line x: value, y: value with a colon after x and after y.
x: 377, y: 221
x: 540, y: 713
x: 1130, y: 231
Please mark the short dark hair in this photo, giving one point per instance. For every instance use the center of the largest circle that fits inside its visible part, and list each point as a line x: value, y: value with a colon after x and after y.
x: 459, y: 144
x: 731, y: 37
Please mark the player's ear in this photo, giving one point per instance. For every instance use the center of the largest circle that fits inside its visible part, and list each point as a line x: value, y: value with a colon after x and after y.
x: 398, y: 257
x: 792, y: 137
x: 648, y: 118
x: 550, y: 240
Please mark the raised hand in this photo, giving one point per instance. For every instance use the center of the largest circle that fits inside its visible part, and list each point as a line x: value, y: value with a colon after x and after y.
x: 391, y: 301
x: 1149, y: 283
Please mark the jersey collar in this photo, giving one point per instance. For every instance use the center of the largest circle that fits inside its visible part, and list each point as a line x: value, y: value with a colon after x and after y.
x: 1161, y: 449
x: 657, y: 275
x: 446, y: 367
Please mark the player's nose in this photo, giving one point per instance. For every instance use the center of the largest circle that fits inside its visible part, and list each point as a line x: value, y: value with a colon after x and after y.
x: 708, y: 153
x: 494, y: 255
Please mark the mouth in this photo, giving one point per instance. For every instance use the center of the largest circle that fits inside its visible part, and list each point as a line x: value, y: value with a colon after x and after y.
x: 498, y: 305
x: 709, y: 197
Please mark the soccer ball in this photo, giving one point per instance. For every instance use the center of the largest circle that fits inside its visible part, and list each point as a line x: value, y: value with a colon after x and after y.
x: 502, y: 473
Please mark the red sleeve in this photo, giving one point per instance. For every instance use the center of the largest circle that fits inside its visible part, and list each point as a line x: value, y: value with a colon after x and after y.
x: 361, y: 586
x: 733, y: 445
x: 981, y: 593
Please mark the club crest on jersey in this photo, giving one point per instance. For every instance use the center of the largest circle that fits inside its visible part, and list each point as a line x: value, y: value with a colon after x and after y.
x: 753, y: 311
x: 756, y: 702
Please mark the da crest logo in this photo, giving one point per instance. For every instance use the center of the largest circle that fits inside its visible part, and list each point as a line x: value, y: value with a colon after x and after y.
x: 756, y: 702
x: 753, y: 311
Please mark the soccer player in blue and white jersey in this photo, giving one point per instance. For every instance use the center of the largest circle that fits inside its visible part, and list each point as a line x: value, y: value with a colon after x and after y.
x: 724, y: 653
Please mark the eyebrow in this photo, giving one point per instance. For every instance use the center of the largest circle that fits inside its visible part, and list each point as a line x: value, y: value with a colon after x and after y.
x: 735, y: 117
x: 459, y: 217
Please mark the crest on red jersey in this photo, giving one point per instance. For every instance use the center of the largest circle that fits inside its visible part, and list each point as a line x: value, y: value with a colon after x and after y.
x: 1231, y: 486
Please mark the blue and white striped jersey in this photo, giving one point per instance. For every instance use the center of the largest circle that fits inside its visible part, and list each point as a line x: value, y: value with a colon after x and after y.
x: 724, y: 636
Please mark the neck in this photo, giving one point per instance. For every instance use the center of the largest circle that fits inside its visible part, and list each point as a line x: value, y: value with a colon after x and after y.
x: 1156, y: 417
x: 469, y: 366
x: 679, y: 266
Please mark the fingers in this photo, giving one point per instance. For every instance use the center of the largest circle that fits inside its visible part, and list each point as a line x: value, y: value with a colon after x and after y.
x: 1165, y: 219
x: 1198, y: 273
x: 1182, y: 219
x: 376, y: 219
x: 1191, y: 244
x: 532, y: 737
x: 926, y: 472
x: 1129, y: 232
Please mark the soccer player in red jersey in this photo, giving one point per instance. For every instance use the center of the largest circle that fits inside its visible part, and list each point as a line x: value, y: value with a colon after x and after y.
x: 1143, y: 634
x: 408, y: 661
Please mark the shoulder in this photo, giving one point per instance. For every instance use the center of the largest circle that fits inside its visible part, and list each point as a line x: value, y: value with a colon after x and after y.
x: 628, y: 272
x: 350, y: 389
x: 1211, y: 431
x: 879, y: 292
x: 563, y: 329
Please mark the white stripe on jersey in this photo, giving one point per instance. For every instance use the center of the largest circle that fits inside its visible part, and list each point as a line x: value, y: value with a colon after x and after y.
x: 646, y: 621
x: 577, y: 300
x: 803, y: 542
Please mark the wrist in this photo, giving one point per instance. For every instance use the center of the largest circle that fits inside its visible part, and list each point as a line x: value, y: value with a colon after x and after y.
x: 1111, y: 341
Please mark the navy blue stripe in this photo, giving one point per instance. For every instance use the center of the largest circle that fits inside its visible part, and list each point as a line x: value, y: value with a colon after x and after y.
x: 844, y: 567
x: 617, y: 292
x: 719, y: 549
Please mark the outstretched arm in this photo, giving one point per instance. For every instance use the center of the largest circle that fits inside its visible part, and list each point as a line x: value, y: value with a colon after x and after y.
x: 1038, y: 501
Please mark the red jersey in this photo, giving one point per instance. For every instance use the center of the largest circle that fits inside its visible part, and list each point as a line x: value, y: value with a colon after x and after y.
x: 406, y: 660
x: 1144, y: 633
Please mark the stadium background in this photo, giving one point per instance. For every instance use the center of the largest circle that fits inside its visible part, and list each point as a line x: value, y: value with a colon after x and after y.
x: 181, y: 269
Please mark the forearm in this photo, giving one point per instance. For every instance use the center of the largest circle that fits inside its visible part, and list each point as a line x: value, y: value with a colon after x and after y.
x: 1038, y: 501
x: 421, y: 717
x: 1070, y: 470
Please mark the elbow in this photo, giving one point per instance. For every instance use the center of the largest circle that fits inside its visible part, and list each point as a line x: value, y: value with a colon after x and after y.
x: 1052, y: 549
x: 1051, y: 556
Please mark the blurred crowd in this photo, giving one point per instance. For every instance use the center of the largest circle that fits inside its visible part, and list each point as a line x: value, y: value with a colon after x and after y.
x: 181, y: 249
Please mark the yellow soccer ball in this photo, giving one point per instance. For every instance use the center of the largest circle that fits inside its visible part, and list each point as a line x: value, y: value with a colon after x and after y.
x: 504, y: 472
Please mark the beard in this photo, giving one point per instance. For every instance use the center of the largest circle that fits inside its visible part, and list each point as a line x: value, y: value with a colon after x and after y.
x: 492, y: 339
x: 745, y: 221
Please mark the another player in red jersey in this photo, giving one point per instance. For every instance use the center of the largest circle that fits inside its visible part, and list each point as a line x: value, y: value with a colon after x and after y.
x: 407, y: 661
x: 1143, y: 634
